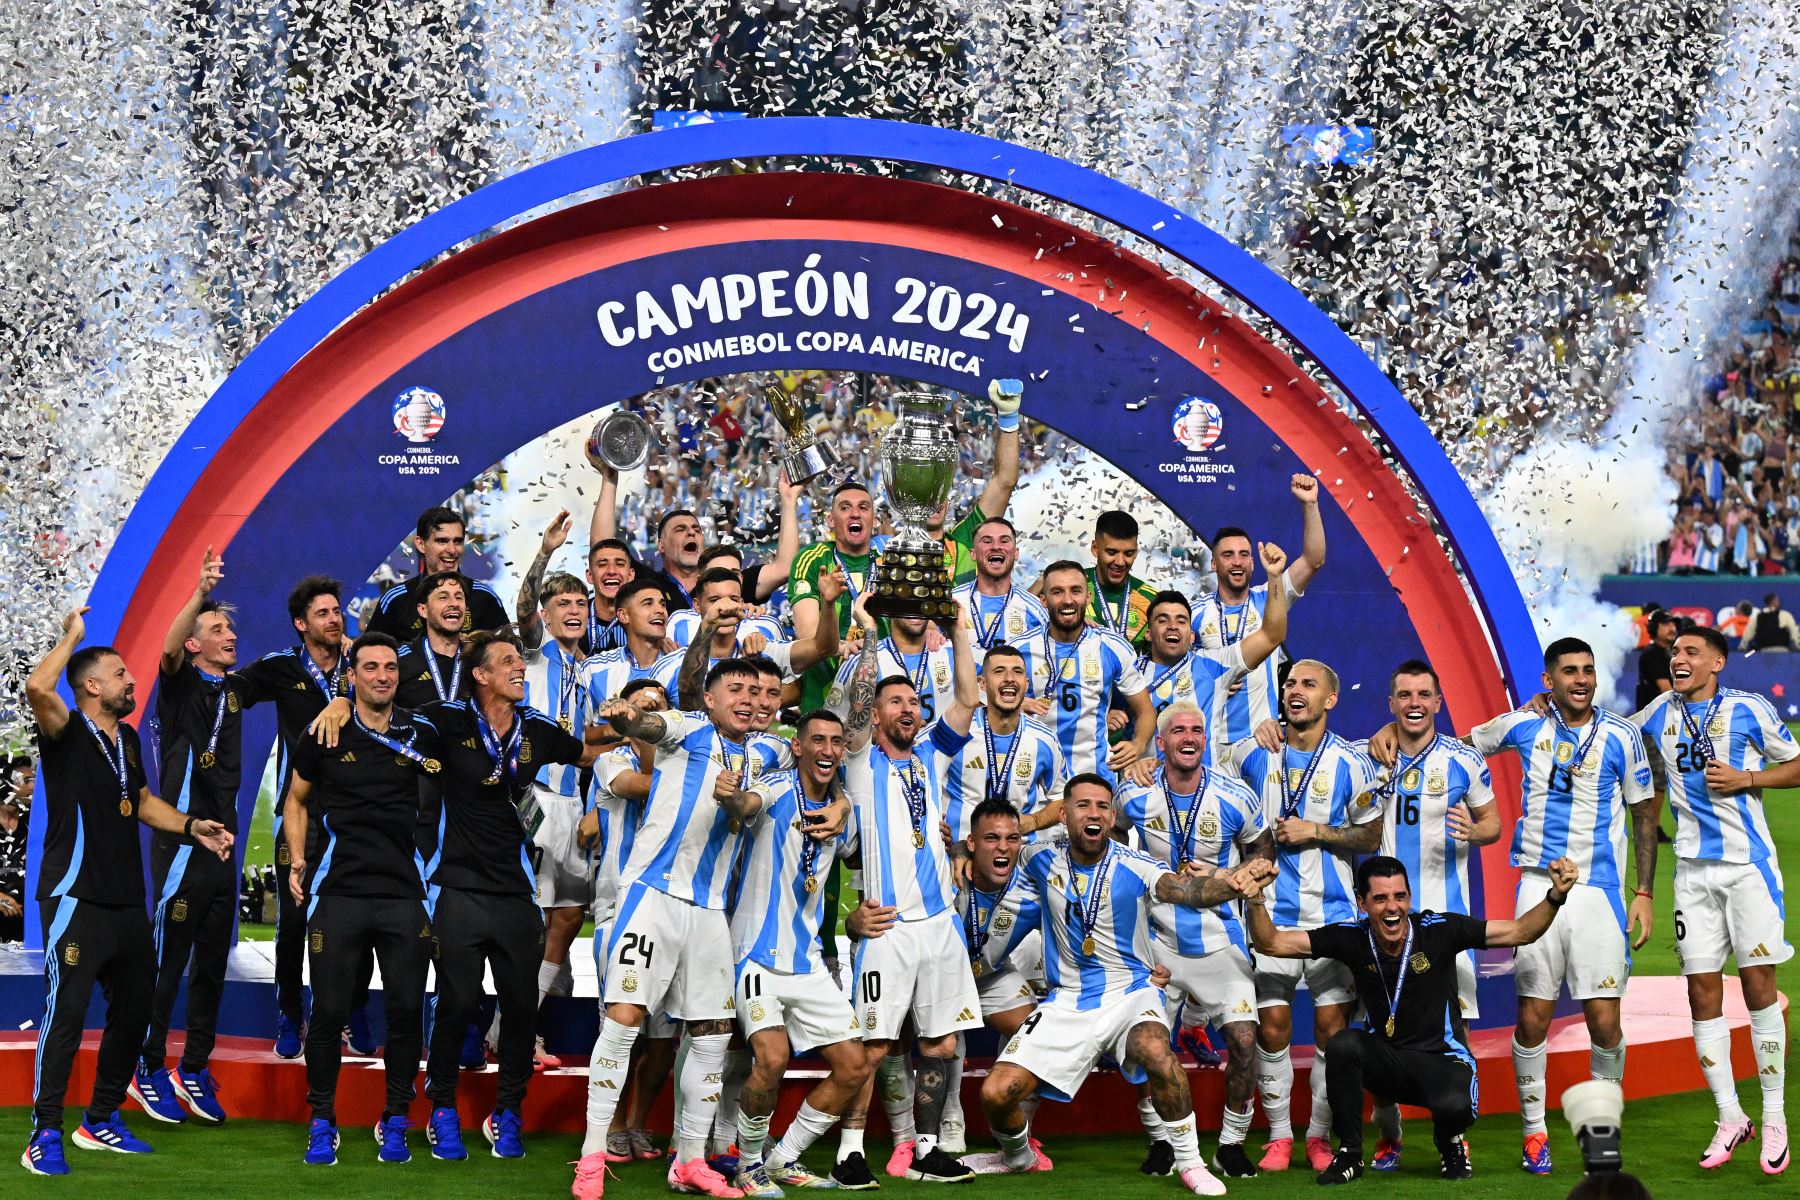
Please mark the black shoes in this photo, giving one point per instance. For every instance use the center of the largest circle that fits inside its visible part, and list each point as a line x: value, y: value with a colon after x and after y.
x: 853, y: 1175
x: 1233, y: 1161
x: 1346, y: 1167
x: 1159, y: 1161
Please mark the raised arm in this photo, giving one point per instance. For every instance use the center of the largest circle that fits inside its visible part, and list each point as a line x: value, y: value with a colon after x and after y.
x: 625, y: 717
x: 1312, y: 534
x: 858, y: 724
x: 966, y: 692
x: 1276, y: 943
x: 604, y: 524
x: 787, y: 544
x: 174, y: 647
x: 1522, y: 931
x: 1004, y: 476
x: 1268, y: 637
x: 822, y: 646
x: 690, y: 683
x: 531, y: 629
x: 47, y: 706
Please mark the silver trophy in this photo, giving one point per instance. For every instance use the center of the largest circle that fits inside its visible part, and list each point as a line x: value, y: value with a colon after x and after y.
x: 918, y: 466
x: 620, y: 441
x: 803, y: 457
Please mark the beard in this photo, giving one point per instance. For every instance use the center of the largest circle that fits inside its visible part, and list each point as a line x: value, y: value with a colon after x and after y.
x: 120, y: 706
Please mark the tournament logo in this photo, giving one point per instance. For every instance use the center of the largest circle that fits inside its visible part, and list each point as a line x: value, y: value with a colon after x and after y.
x: 1198, y: 424
x: 418, y: 414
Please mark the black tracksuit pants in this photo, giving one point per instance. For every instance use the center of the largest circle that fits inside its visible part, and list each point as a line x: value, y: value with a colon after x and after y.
x: 85, y: 944
x: 1357, y: 1060
x: 340, y: 932
x: 290, y: 933
x: 196, y: 903
x: 475, y: 929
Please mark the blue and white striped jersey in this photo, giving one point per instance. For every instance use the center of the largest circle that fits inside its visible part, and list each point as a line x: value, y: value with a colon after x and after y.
x: 994, y: 923
x: 619, y: 820
x: 1029, y: 756
x: 1123, y: 885
x: 608, y: 673
x: 1079, y: 680
x: 903, y: 861
x: 555, y: 685
x: 1217, y: 625
x: 1212, y: 828
x: 776, y: 921
x: 1574, y: 801
x: 1745, y: 733
x: 992, y: 620
x: 685, y: 845
x: 1202, y: 676
x: 930, y: 671
x: 1414, y: 808
x: 1313, y: 886
x: 685, y: 622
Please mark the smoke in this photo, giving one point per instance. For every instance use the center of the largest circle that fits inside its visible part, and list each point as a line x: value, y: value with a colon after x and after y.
x: 1569, y: 513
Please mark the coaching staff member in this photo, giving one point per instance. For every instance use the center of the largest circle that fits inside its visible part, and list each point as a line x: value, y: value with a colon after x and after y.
x: 1415, y: 1049
x: 365, y: 891
x: 91, y: 889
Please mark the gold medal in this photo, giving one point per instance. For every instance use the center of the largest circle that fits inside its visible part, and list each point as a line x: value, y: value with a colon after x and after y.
x: 567, y: 722
x: 1190, y: 865
x: 978, y: 968
x: 1390, y: 1027
x: 737, y: 826
x: 432, y: 766
x: 1087, y: 946
x: 918, y: 840
x: 812, y: 884
x: 124, y: 808
x: 207, y: 760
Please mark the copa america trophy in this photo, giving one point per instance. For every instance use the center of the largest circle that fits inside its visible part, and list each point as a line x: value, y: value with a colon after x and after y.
x: 918, y: 466
x: 803, y: 457
x: 620, y: 441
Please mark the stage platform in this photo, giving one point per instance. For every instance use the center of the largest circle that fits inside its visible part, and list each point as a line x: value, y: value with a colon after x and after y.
x: 257, y: 1084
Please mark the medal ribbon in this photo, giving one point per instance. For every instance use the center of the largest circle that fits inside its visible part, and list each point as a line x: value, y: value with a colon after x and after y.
x: 1004, y: 775
x: 1701, y: 735
x: 503, y: 753
x: 114, y: 756
x: 403, y: 749
x: 985, y: 637
x: 1583, y: 746
x: 849, y: 580
x: 1181, y: 846
x: 919, y: 678
x: 322, y: 680
x: 1116, y: 624
x: 210, y: 755
x: 1404, y: 764
x: 1399, y: 979
x: 437, y: 678
x: 977, y: 929
x: 1292, y: 801
x: 1054, y: 658
x: 810, y: 847
x: 1087, y: 917
x: 565, y: 685
x: 914, y: 787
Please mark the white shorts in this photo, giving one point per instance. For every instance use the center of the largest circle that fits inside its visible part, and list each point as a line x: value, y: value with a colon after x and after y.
x: 657, y: 1026
x: 1465, y: 985
x: 1004, y: 990
x: 810, y: 1008
x: 1729, y: 910
x: 1061, y: 1044
x: 564, y: 877
x: 1217, y: 988
x: 1277, y: 979
x: 1585, y: 947
x: 669, y: 956
x: 918, y: 969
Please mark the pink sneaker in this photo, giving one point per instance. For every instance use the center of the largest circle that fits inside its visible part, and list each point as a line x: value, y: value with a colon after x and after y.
x: 1198, y: 1180
x: 1774, y: 1149
x: 590, y: 1178
x: 1043, y: 1160
x: 901, y: 1160
x: 695, y: 1176
x: 1318, y: 1153
x: 1277, y: 1154
x: 1727, y: 1136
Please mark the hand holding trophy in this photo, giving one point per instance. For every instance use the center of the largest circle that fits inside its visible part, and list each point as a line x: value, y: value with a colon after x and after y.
x: 804, y: 457
x: 619, y: 442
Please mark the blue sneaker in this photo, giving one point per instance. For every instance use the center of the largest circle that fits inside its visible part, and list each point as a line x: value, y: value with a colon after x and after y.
x: 109, y: 1134
x: 44, y: 1154
x: 154, y: 1092
x: 390, y: 1136
x: 504, y: 1129
x: 1195, y: 1040
x: 290, y: 1037
x: 445, y: 1135
x: 198, y: 1092
x: 321, y: 1143
x: 359, y: 1035
x: 1387, y: 1156
x: 474, y: 1050
x: 1536, y: 1158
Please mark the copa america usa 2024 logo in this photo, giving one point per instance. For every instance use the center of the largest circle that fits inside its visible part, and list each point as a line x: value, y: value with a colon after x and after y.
x: 418, y: 414
x: 1198, y: 424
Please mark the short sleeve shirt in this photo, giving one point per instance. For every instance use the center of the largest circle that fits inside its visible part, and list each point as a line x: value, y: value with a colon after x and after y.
x: 90, y: 828
x: 1428, y: 1015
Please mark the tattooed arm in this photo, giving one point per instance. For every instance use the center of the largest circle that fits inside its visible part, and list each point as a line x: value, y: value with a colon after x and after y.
x: 690, y: 685
x: 531, y: 628
x: 1645, y: 819
x: 1197, y: 890
x: 858, y: 727
x: 1339, y: 839
x: 625, y: 717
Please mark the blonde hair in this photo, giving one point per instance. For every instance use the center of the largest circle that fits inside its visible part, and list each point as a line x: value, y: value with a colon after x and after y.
x: 1181, y: 708
x: 1331, y: 677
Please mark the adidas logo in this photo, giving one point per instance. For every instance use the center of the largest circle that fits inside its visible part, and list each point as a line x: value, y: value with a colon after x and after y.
x: 1761, y: 951
x: 966, y: 1015
x: 1532, y: 1100
x: 1243, y: 1006
x: 606, y: 1083
x: 1609, y: 982
x: 712, y: 1099
x: 349, y: 756
x: 1771, y: 1069
x: 1150, y: 1013
x: 1706, y: 1062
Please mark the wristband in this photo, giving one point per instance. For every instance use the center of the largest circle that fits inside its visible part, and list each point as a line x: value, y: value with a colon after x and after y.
x: 1008, y: 422
x: 187, y: 829
x: 1645, y: 895
x: 1553, y: 900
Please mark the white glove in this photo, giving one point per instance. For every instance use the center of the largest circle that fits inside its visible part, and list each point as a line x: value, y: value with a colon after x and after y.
x: 1005, y: 395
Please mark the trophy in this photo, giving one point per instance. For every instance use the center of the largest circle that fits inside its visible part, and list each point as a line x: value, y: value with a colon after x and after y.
x: 918, y: 465
x: 619, y: 442
x: 803, y: 457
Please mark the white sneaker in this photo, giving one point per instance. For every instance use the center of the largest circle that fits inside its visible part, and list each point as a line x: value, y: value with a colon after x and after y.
x: 951, y: 1137
x: 1198, y: 1180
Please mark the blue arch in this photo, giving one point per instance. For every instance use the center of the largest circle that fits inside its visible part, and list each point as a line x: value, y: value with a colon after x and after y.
x: 1233, y: 269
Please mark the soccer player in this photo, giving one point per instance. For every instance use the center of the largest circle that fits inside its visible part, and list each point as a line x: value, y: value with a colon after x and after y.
x: 678, y: 543
x: 1178, y: 669
x: 365, y: 889
x: 728, y: 558
x: 1094, y: 898
x: 1075, y: 669
x: 996, y: 493
x: 1190, y: 814
x: 997, y: 610
x: 438, y: 541
x: 786, y: 999
x: 850, y: 548
x: 1415, y: 1048
x: 721, y: 633
x: 1118, y: 601
x: 1231, y: 614
x: 90, y: 889
x: 904, y: 651
x: 431, y: 665
x: 483, y: 911
x: 1436, y: 801
x: 1723, y: 748
x: 643, y: 615
x: 609, y: 569
x: 669, y: 947
x: 1307, y: 788
x: 895, y: 778
x: 199, y: 708
x: 1011, y: 756
x: 300, y: 680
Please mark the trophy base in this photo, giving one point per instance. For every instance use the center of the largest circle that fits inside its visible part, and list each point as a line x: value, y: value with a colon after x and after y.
x: 805, y: 463
x: 911, y: 583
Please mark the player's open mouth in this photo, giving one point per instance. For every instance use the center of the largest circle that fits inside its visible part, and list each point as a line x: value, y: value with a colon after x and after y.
x: 1008, y: 692
x: 1297, y: 705
x: 691, y: 546
x: 1093, y: 829
x: 853, y: 528
x: 1002, y: 865
x: 516, y: 680
x: 228, y: 648
x: 658, y: 622
x: 744, y: 715
x: 453, y: 616
x: 1413, y: 714
x: 1680, y: 671
x: 997, y: 560
x: 1391, y: 921
x: 610, y: 580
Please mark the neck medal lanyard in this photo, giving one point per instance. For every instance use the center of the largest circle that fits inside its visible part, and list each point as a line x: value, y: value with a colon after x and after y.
x: 999, y: 776
x: 978, y: 929
x: 741, y: 766
x: 1164, y: 674
x: 1399, y: 978
x: 914, y: 787
x: 920, y: 677
x: 437, y: 678
x: 320, y: 678
x: 1403, y: 764
x: 1115, y: 622
x: 566, y: 664
x: 209, y: 757
x: 115, y: 758
x: 985, y: 636
x: 503, y: 753
x: 1294, y: 799
x: 1584, y: 746
x: 1056, y: 662
x: 1181, y: 849
x: 810, y: 847
x: 849, y: 579
x: 404, y: 749
x: 1087, y: 918
x: 1227, y: 635
x: 1701, y: 735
